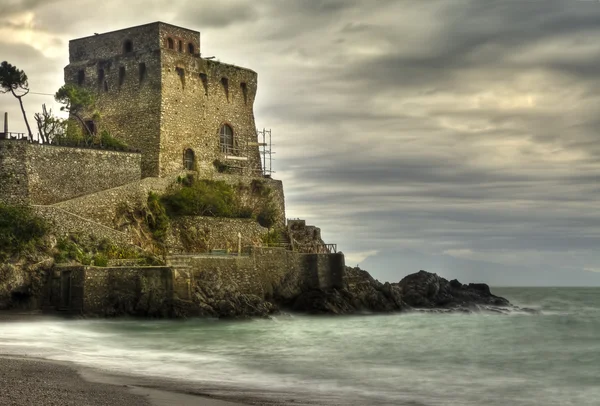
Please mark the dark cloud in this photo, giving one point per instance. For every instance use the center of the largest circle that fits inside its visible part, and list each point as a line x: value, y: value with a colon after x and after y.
x: 457, y: 133
x: 221, y: 14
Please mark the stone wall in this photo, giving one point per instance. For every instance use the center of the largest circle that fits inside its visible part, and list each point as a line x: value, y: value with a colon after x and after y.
x: 203, y: 234
x: 64, y: 223
x: 103, y: 207
x: 161, y: 97
x: 276, y: 196
x: 127, y: 86
x: 266, y: 272
x: 47, y: 174
x: 194, y: 284
x: 14, y: 183
x: 196, y: 103
x: 141, y: 291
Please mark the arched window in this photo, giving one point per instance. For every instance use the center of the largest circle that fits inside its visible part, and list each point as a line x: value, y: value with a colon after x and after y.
x: 191, y: 48
x: 128, y: 46
x: 170, y: 43
x: 226, y: 133
x: 189, y: 159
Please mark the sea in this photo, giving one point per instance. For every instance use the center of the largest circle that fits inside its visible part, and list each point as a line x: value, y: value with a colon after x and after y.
x: 417, y: 359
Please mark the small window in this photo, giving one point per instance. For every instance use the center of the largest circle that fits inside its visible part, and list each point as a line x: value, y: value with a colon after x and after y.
x: 189, y: 160
x: 122, y: 75
x: 105, y: 86
x: 128, y: 46
x: 191, y: 48
x: 101, y: 76
x: 244, y: 87
x: 170, y: 43
x: 81, y: 77
x: 204, y: 79
x: 225, y: 83
x: 143, y: 72
x: 226, y: 133
x: 180, y: 46
x: 181, y: 74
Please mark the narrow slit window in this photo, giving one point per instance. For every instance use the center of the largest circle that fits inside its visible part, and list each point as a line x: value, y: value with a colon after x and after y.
x: 170, y: 43
x: 122, y: 73
x: 128, y: 46
x: 225, y: 83
x: 181, y: 74
x: 204, y: 79
x: 244, y: 87
x: 81, y: 77
x: 191, y: 48
x: 101, y: 76
x: 180, y: 46
x: 143, y: 72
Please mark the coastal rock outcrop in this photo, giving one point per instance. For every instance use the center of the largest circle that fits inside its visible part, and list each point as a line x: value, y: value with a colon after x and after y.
x: 360, y: 293
x: 428, y: 290
x: 418, y: 291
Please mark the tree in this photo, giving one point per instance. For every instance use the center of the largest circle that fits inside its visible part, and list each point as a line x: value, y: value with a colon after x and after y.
x: 50, y: 127
x: 15, y: 81
x: 77, y: 102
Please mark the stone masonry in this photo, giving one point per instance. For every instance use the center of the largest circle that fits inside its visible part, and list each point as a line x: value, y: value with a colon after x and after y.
x: 159, y: 95
x: 47, y: 174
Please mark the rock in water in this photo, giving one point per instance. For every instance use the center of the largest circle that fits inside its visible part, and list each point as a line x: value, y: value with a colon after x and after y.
x: 428, y: 290
x: 421, y: 290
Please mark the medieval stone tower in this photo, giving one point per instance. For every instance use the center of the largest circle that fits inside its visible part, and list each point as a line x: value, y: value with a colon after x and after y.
x: 156, y: 92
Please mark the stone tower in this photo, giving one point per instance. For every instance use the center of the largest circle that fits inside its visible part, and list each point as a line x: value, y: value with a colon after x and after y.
x: 155, y: 92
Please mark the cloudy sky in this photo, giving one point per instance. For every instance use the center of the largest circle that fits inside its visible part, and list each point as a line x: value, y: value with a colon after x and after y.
x: 456, y: 136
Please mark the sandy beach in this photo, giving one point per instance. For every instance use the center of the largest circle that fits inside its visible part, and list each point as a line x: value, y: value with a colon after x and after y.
x: 28, y: 382
x: 32, y: 382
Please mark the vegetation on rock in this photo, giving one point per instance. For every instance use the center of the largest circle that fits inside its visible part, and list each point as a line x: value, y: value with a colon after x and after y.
x: 20, y: 230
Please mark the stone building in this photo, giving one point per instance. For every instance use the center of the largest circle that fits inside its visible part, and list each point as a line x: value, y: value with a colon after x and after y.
x: 156, y: 92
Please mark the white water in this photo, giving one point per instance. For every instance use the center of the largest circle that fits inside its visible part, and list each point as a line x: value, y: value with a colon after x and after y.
x: 412, y: 359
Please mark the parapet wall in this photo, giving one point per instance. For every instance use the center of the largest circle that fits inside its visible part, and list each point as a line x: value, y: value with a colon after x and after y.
x: 13, y: 172
x: 266, y: 272
x: 203, y: 234
x: 46, y: 174
x: 164, y: 291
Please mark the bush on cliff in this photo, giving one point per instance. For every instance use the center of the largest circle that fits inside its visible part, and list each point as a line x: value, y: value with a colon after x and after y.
x: 20, y: 230
x: 156, y: 217
x: 203, y: 198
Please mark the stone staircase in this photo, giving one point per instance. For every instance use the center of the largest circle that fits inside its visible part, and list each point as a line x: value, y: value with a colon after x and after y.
x: 283, y: 240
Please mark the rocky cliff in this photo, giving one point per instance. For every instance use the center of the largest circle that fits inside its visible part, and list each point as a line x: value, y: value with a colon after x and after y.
x: 423, y: 291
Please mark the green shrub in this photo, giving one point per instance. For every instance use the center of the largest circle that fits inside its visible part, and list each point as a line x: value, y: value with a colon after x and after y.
x: 245, y: 212
x: 156, y: 217
x: 20, y: 229
x: 203, y: 198
x: 267, y: 216
x: 270, y: 238
x: 260, y: 188
x: 108, y: 141
x: 100, y: 260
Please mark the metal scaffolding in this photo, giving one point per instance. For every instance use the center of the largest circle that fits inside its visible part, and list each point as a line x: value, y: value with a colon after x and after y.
x: 266, y: 151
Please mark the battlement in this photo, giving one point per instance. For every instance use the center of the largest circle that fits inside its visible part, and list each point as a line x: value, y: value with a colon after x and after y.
x: 128, y: 42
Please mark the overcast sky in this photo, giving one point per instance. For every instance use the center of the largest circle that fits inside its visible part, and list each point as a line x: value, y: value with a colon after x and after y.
x: 456, y: 136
